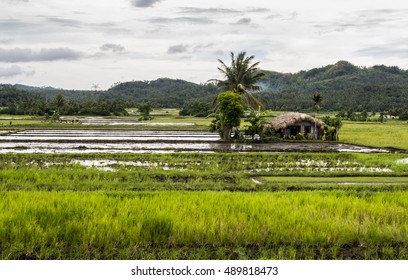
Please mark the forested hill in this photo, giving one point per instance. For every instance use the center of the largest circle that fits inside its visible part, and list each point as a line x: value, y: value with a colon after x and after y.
x: 164, y: 92
x: 343, y: 86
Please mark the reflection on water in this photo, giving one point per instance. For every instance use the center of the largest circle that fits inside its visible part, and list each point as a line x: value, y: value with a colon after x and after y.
x: 124, y: 141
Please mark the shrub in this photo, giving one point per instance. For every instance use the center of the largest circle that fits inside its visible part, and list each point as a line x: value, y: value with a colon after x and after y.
x: 300, y: 136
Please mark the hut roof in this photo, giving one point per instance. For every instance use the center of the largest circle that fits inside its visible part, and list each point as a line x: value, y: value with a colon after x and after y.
x: 285, y: 120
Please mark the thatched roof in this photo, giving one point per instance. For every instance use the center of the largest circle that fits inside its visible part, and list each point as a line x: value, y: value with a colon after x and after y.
x: 285, y: 120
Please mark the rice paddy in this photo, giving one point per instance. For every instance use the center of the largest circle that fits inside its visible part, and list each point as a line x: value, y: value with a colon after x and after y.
x: 118, y: 201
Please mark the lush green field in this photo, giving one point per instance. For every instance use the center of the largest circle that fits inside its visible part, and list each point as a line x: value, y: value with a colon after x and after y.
x: 197, y: 225
x: 229, y: 171
x: 388, y: 134
x: 207, y: 206
x: 203, y: 206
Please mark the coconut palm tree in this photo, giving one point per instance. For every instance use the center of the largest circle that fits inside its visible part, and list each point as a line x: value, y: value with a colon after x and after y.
x: 317, y: 100
x: 241, y: 77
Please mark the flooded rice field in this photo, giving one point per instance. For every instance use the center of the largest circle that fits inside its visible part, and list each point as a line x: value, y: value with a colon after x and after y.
x: 308, y: 166
x: 125, y: 141
x: 127, y: 121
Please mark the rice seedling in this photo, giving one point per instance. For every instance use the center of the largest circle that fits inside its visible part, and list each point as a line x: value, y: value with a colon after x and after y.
x: 202, y: 206
x: 327, y: 225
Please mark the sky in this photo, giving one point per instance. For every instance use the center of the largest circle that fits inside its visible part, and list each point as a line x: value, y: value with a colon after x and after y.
x: 93, y: 44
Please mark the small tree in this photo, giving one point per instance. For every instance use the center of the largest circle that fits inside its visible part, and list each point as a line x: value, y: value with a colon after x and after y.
x: 257, y: 119
x: 145, y: 108
x: 59, y: 103
x: 229, y: 112
x: 334, y: 124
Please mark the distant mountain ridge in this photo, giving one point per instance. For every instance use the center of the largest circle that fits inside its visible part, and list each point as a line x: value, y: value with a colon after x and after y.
x: 33, y: 88
x: 342, y: 85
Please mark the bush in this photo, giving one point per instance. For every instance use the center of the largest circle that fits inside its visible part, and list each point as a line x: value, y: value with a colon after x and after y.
x: 330, y: 133
x: 300, y: 136
x: 403, y: 116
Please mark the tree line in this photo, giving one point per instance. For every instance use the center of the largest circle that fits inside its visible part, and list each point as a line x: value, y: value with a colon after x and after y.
x: 343, y: 87
x: 18, y: 102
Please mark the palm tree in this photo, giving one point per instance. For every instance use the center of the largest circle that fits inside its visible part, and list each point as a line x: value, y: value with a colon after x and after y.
x: 241, y: 76
x: 317, y: 100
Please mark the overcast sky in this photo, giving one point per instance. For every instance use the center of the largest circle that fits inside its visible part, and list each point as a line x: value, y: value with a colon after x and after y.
x: 76, y: 44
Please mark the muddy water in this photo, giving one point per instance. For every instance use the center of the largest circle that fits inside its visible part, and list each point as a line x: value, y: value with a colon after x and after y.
x: 121, y: 141
x: 110, y: 135
x: 127, y: 121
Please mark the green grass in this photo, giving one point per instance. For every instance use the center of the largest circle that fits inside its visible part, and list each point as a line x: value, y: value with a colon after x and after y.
x: 370, y: 180
x: 203, y: 206
x: 197, y: 225
x: 388, y: 134
x: 207, y: 206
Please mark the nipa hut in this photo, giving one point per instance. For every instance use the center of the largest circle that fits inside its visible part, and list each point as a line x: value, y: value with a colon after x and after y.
x: 291, y: 124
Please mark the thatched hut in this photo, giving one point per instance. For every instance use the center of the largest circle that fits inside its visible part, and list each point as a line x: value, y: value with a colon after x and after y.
x: 291, y: 124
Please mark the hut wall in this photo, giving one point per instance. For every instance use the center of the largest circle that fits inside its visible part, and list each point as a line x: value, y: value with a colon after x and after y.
x: 303, y: 127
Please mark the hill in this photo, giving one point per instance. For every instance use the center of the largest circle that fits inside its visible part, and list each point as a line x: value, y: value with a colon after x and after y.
x: 164, y: 92
x: 343, y: 86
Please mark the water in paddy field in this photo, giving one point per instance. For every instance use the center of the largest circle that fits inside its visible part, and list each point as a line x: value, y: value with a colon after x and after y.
x: 125, y: 141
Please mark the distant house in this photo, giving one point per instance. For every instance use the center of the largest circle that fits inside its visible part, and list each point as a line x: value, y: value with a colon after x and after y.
x: 69, y: 120
x: 291, y: 124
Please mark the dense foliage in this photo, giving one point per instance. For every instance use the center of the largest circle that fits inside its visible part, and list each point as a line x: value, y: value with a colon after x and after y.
x: 241, y: 76
x: 342, y: 86
x: 18, y: 102
x: 229, y: 112
x: 164, y: 93
x: 196, y: 108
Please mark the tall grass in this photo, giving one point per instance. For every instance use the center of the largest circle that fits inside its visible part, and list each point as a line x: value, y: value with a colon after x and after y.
x: 54, y: 208
x: 126, y: 225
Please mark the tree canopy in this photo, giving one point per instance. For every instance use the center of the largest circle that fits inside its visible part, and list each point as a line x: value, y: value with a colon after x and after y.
x: 241, y: 77
x: 230, y: 110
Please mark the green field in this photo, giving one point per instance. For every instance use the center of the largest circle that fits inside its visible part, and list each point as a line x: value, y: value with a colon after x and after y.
x: 388, y: 134
x: 203, y: 206
x: 207, y: 206
x: 203, y: 225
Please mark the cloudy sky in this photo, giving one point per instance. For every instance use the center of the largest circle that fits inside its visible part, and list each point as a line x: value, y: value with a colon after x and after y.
x: 79, y: 44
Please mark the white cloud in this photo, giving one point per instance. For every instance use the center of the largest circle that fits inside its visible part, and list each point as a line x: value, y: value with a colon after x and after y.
x: 144, y: 3
x: 180, y: 48
x: 183, y: 39
x: 27, y: 55
x: 13, y: 71
x: 115, y: 48
x: 244, y: 21
x: 381, y: 52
